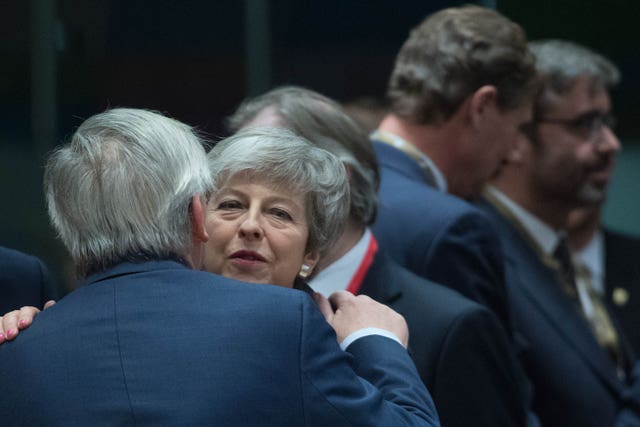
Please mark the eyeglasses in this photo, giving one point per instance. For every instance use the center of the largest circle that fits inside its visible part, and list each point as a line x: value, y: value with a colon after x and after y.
x: 588, y: 125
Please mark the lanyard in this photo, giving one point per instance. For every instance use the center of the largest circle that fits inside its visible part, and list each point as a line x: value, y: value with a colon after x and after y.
x: 356, y: 280
x: 430, y: 172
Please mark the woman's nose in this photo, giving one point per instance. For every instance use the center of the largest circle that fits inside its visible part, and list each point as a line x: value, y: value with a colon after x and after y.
x: 250, y: 228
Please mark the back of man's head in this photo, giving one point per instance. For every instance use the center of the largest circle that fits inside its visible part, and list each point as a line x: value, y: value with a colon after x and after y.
x: 121, y: 189
x: 323, y: 122
x: 450, y: 55
x: 561, y: 63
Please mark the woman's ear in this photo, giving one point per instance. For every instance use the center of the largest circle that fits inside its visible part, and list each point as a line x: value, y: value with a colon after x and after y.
x: 308, y: 264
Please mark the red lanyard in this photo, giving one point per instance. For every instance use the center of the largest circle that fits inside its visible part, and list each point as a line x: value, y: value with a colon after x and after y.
x: 356, y: 281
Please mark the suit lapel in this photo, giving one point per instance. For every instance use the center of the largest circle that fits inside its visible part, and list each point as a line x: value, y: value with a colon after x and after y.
x: 539, y: 284
x: 620, y: 279
x: 380, y: 283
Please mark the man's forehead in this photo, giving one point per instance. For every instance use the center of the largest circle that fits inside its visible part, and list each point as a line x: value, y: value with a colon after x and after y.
x: 586, y: 94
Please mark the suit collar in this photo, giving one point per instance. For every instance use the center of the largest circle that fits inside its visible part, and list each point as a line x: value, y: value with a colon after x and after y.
x: 126, y: 268
x: 539, y: 284
x: 431, y: 174
x: 400, y: 162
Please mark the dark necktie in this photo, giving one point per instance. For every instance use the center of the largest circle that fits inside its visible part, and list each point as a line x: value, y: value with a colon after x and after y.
x: 591, y: 305
x: 563, y: 256
x: 596, y: 313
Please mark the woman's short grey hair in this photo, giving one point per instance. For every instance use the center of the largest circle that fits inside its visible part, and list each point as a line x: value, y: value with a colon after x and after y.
x: 453, y: 53
x: 121, y: 188
x: 323, y: 122
x: 289, y: 162
x: 561, y: 63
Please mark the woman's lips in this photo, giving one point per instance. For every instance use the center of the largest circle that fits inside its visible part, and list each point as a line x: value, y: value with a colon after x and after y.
x: 246, y: 257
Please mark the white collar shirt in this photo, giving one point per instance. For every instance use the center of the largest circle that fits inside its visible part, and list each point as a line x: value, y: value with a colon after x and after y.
x: 338, y: 275
x: 592, y: 257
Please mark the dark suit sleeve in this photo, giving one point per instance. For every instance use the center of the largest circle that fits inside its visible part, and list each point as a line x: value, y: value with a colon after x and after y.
x: 466, y: 257
x: 478, y: 380
x: 24, y: 280
x: 384, y: 390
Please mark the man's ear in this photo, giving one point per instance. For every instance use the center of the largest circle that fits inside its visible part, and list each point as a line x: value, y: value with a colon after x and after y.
x: 197, y: 214
x: 347, y: 169
x: 519, y: 150
x: 482, y: 102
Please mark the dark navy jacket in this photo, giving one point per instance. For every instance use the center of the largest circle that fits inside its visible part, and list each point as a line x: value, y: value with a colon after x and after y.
x: 459, y: 347
x: 575, y: 381
x: 157, y: 343
x: 436, y: 235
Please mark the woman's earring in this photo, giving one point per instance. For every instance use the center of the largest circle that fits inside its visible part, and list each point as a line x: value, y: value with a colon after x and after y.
x: 305, y: 270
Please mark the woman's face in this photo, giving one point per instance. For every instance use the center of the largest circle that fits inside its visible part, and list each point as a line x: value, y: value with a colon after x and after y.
x: 257, y: 233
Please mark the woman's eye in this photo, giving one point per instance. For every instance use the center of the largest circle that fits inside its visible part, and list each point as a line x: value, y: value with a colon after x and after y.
x: 281, y: 214
x: 229, y: 204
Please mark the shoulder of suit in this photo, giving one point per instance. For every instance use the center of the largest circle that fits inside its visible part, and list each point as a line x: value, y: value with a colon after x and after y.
x: 16, y: 257
x: 621, y: 238
x: 432, y: 294
x: 16, y: 264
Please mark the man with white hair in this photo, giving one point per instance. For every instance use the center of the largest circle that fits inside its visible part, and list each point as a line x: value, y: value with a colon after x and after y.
x: 150, y: 340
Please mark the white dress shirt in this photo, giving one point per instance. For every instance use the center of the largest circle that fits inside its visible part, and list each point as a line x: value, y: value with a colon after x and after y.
x: 592, y: 257
x: 338, y: 275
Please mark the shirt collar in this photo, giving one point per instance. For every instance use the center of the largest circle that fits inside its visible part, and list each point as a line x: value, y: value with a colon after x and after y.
x: 338, y: 275
x: 543, y: 235
x: 592, y: 257
x: 425, y: 163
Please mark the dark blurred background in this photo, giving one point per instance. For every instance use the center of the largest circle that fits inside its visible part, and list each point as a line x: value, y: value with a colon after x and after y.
x: 64, y: 60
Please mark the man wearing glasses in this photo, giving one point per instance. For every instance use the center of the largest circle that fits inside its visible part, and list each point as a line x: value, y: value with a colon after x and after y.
x: 575, y: 355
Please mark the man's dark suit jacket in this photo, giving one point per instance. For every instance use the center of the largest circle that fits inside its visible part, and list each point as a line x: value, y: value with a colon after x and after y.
x: 459, y: 347
x: 24, y: 280
x: 160, y: 344
x: 622, y: 272
x: 574, y: 380
x: 436, y: 235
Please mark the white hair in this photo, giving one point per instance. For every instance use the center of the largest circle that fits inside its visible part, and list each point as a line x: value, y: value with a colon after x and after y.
x: 122, y: 187
x: 290, y: 162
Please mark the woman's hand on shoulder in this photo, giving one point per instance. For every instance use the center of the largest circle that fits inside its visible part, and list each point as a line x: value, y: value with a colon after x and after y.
x: 14, y: 321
